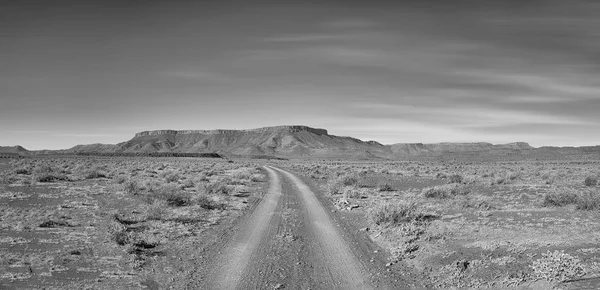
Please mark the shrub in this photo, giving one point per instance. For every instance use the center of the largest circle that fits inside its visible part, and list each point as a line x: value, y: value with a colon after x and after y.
x: 170, y: 176
x: 394, y: 213
x: 6, y: 178
x: 207, y: 203
x: 349, y: 180
x: 217, y: 187
x: 93, y: 173
x: 171, y: 195
x: 353, y: 194
x: 156, y: 210
x: 131, y: 187
x: 583, y: 200
x: 120, y: 179
x: 47, y: 174
x: 384, y: 186
x: 242, y: 174
x: 334, y: 187
x: 590, y: 181
x: 588, y: 201
x: 455, y: 178
x: 187, y: 184
x: 563, y: 197
x: 22, y: 170
x: 444, y: 191
x: 256, y: 178
x: 557, y: 266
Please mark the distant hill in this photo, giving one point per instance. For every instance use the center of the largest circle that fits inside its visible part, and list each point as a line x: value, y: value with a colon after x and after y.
x: 307, y: 142
x: 416, y: 149
x: 293, y: 141
x: 13, y: 149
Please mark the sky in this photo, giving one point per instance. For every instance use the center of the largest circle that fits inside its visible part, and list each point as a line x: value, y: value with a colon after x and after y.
x: 82, y: 72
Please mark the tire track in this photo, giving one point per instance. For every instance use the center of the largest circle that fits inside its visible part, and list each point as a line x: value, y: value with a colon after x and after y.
x: 237, y: 256
x: 343, y: 267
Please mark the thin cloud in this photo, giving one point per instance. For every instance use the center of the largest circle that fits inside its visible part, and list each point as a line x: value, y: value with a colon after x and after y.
x: 202, y: 75
x: 350, y: 24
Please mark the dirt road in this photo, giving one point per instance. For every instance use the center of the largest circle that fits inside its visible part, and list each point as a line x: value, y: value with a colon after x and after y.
x: 290, y: 241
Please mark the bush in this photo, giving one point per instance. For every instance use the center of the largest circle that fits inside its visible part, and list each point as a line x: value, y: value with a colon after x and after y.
x: 394, y: 213
x: 588, y: 201
x: 170, y: 194
x: 256, y: 178
x: 335, y: 187
x: 590, y: 181
x: 188, y: 183
x: 170, y: 176
x: 349, y: 180
x: 583, y: 200
x: 560, y: 198
x: 131, y: 187
x: 217, y: 187
x: 47, y: 174
x: 242, y: 174
x: 22, y: 170
x: 93, y: 174
x: 444, y: 191
x: 156, y: 210
x: 120, y: 179
x: 557, y: 266
x: 207, y: 203
x: 384, y: 186
x: 353, y: 194
x: 455, y: 178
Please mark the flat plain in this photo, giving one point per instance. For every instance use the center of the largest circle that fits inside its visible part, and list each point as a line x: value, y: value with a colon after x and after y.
x: 158, y: 223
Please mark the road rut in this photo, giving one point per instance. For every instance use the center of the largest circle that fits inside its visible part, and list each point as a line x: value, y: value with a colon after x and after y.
x: 289, y: 241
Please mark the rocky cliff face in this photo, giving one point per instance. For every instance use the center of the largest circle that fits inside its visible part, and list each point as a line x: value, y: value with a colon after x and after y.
x: 290, y: 129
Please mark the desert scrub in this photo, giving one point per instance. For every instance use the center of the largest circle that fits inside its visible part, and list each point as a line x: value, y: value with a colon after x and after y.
x: 388, y: 213
x: 93, y: 173
x: 47, y: 174
x: 506, y: 178
x: 132, y: 187
x: 590, y: 181
x: 170, y: 176
x: 557, y: 266
x: 217, y: 187
x: 256, y: 177
x: 444, y: 191
x: 337, y: 185
x: 583, y: 200
x: 23, y: 170
x: 172, y: 195
x: 455, y: 178
x: 334, y: 187
x: 156, y: 210
x: 207, y: 203
x: 242, y: 174
x: 384, y: 186
x: 120, y: 179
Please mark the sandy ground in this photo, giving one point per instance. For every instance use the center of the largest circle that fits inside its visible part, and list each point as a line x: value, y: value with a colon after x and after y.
x: 291, y: 241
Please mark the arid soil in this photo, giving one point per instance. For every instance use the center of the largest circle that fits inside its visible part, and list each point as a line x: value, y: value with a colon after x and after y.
x: 117, y: 223
x: 528, y: 225
x: 193, y: 223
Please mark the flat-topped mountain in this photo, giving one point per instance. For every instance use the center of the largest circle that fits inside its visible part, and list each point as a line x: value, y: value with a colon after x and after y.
x: 285, y: 141
x: 433, y: 148
x: 296, y: 141
x: 303, y: 141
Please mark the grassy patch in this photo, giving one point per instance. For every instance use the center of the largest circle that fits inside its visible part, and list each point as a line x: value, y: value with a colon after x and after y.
x: 444, y: 191
x: 388, y: 213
